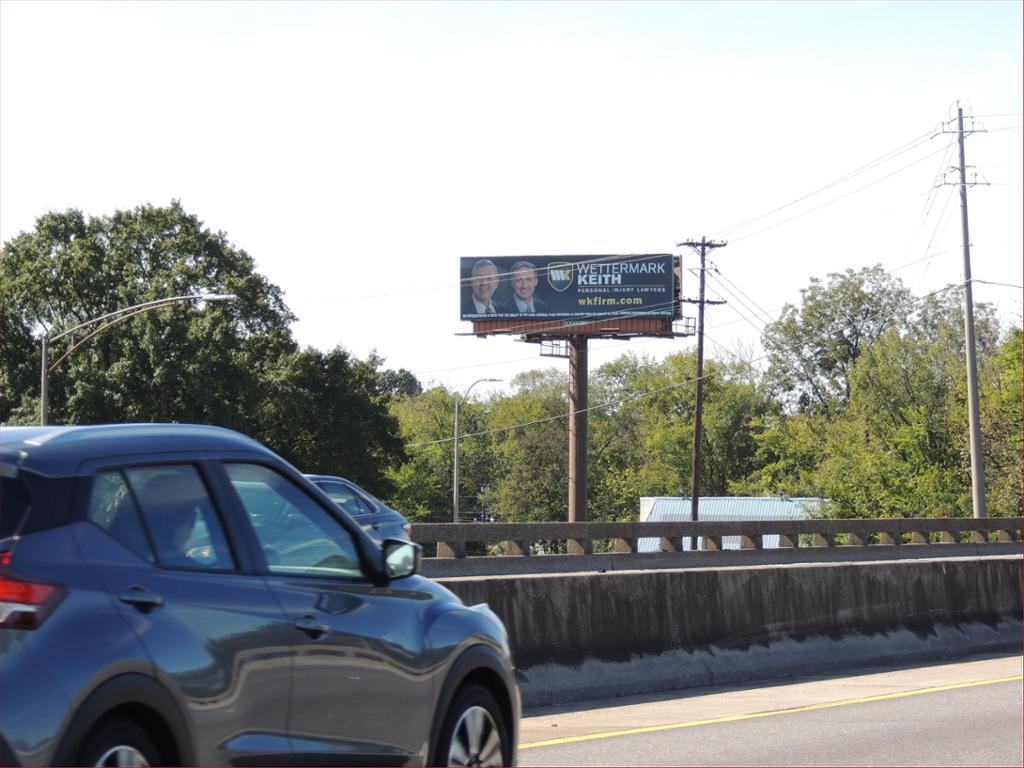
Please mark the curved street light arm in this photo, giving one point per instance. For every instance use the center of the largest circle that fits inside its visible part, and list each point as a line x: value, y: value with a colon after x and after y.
x: 102, y: 328
x: 156, y: 303
x: 114, y: 318
x: 455, y: 449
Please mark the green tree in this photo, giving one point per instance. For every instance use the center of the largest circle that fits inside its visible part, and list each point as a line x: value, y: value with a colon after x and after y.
x: 234, y: 364
x: 1001, y: 386
x: 787, y: 453
x: 899, y: 448
x: 328, y: 413
x: 529, y: 475
x: 18, y: 361
x: 812, y: 348
x: 168, y: 364
x: 423, y: 484
x: 642, y: 444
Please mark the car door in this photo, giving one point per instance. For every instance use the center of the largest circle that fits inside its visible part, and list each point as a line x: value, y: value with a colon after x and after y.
x: 362, y: 691
x: 216, y: 635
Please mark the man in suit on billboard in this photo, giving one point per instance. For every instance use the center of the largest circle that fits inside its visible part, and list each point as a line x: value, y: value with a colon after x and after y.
x: 524, y: 301
x: 483, y: 281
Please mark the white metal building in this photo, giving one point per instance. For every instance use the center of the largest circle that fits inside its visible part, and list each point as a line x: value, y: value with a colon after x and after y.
x: 670, y: 509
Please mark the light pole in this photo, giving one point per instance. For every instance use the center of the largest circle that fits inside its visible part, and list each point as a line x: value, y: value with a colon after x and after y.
x: 111, y: 318
x: 455, y: 448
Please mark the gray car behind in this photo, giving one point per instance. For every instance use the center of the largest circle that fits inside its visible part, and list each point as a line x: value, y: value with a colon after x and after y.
x: 378, y: 519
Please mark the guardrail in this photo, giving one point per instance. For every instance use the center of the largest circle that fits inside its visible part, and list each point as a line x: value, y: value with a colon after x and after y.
x: 618, y: 543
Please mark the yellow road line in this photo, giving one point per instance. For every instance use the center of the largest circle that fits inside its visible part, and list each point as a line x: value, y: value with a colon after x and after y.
x: 774, y: 713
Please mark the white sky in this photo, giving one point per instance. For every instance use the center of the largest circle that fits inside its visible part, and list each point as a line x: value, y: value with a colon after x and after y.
x: 357, y: 150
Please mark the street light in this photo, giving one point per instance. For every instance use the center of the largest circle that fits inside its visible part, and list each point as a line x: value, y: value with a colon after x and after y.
x: 455, y: 448
x: 112, y: 318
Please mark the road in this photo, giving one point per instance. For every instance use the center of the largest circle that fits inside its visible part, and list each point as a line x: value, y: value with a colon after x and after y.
x: 965, y: 713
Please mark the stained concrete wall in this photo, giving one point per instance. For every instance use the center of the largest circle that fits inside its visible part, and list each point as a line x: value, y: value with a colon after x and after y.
x: 813, y: 615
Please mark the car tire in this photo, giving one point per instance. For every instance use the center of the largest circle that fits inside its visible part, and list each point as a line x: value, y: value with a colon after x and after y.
x: 474, y: 732
x: 119, y: 742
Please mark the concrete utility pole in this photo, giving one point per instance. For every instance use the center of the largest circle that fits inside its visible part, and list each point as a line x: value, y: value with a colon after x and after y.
x: 702, y: 248
x: 973, y: 412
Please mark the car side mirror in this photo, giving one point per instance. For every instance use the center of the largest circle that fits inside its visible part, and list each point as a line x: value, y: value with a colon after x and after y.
x: 401, y: 558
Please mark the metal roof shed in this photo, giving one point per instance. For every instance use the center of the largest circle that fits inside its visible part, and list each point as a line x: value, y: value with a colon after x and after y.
x: 666, y: 509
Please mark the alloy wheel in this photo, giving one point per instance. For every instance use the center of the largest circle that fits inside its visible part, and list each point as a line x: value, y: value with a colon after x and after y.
x: 476, y: 740
x: 122, y: 756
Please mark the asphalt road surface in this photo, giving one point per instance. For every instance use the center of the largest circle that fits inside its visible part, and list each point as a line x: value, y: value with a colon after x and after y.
x: 968, y: 713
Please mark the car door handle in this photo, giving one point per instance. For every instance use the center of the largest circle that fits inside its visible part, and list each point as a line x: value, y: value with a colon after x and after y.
x: 309, y: 624
x: 141, y: 598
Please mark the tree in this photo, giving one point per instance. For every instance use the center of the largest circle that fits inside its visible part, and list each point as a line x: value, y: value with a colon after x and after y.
x: 328, y: 414
x: 18, y: 368
x: 423, y: 484
x: 169, y: 364
x: 530, y: 474
x: 1001, y: 386
x: 642, y: 444
x: 899, y: 447
x: 234, y: 364
x: 812, y: 349
x: 400, y: 383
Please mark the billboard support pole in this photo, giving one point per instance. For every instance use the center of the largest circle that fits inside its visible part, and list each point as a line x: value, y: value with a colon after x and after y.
x: 577, y: 432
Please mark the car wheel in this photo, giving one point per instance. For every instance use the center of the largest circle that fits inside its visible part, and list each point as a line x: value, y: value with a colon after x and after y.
x: 119, y: 742
x: 474, y: 731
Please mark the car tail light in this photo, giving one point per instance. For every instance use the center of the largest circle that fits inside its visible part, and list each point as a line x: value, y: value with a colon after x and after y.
x: 25, y: 604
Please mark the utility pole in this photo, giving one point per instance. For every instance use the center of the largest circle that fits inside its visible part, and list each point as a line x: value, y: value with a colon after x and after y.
x: 973, y: 410
x: 702, y: 247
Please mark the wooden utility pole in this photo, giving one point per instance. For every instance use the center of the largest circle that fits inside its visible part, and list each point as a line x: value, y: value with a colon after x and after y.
x: 702, y: 248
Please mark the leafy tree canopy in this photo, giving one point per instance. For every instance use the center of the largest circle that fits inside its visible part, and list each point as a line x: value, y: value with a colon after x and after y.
x: 812, y: 348
x: 230, y: 363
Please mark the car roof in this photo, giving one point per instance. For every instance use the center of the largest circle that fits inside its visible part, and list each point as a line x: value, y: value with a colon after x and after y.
x: 314, y: 478
x: 57, y: 450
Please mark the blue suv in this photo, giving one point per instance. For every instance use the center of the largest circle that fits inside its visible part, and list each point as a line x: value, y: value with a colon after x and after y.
x: 180, y: 595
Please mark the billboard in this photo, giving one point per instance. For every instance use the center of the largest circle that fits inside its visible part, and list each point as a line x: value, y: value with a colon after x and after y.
x: 568, y: 287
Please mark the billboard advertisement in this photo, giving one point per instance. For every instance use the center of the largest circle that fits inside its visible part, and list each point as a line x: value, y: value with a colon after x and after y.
x: 568, y: 287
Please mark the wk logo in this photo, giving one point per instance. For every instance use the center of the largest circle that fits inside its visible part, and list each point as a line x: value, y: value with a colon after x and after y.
x: 560, y: 275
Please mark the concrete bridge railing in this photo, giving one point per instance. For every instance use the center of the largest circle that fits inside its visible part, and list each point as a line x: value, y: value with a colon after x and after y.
x: 746, y: 543
x: 793, y: 597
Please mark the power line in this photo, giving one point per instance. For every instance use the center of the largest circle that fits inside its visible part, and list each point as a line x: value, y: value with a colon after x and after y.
x: 992, y: 282
x: 837, y: 199
x: 762, y: 310
x: 912, y: 144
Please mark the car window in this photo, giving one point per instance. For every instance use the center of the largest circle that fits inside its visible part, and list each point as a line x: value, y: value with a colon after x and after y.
x: 112, y: 508
x: 180, y: 517
x: 297, y: 535
x: 370, y: 499
x: 345, y: 497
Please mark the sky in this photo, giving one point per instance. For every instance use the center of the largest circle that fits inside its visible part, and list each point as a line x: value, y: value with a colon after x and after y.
x: 357, y: 150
